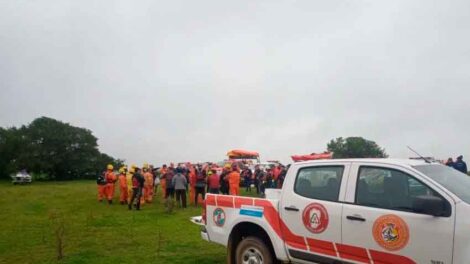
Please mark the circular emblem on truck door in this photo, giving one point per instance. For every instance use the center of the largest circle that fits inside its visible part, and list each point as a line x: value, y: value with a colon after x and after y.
x: 219, y: 217
x: 391, y: 232
x: 315, y: 218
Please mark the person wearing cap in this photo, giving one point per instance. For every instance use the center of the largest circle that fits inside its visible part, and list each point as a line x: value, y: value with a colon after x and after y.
x: 129, y: 175
x: 460, y: 165
x: 148, y: 186
x: 123, y: 185
x: 110, y: 180
x: 137, y: 186
x: 213, y: 181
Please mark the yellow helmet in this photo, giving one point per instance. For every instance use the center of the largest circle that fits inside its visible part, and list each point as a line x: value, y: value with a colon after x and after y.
x: 228, y: 166
x: 122, y: 169
x: 146, y: 165
x: 110, y: 167
x: 132, y: 170
x: 133, y: 166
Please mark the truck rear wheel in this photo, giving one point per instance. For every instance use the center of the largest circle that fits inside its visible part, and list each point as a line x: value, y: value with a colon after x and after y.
x: 253, y: 250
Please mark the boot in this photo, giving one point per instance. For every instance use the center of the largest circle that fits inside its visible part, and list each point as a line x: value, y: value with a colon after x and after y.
x: 129, y: 205
x: 110, y: 201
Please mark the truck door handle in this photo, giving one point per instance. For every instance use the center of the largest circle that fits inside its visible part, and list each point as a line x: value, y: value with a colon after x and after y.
x: 291, y: 208
x: 355, y: 218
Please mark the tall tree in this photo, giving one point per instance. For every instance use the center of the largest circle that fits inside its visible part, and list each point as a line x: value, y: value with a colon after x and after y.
x: 49, y: 146
x: 355, y: 147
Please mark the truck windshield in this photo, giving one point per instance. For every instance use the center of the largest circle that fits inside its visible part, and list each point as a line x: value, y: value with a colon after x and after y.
x: 455, y: 181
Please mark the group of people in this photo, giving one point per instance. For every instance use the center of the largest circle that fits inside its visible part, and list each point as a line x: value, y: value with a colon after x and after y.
x: 134, y: 184
x: 458, y: 164
x: 138, y: 186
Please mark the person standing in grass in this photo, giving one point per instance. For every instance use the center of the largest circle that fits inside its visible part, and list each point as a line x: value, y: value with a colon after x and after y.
x: 223, y: 181
x: 123, y: 185
x: 156, y: 181
x: 234, y: 181
x: 247, y: 175
x: 213, y: 181
x: 101, y: 182
x: 163, y: 172
x: 170, y: 189
x: 129, y: 182
x: 200, y: 185
x: 148, y: 187
x: 137, y: 186
x: 179, y: 182
x: 110, y: 181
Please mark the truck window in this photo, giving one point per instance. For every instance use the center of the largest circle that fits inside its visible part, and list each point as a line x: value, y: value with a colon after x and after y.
x: 389, y: 189
x: 322, y: 183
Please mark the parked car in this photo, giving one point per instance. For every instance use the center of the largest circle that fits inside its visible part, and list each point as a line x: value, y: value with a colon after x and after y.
x: 21, y: 177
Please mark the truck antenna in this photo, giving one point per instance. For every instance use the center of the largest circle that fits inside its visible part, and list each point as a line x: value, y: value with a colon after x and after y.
x: 419, y: 155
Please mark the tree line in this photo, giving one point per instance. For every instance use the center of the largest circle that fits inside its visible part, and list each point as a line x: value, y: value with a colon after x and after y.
x: 51, y: 150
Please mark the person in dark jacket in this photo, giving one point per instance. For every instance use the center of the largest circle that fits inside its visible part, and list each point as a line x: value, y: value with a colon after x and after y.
x: 257, y: 176
x: 223, y: 182
x: 247, y: 175
x: 200, y: 185
x: 282, y: 177
x: 450, y: 162
x: 460, y: 165
x: 170, y: 188
x: 137, y: 186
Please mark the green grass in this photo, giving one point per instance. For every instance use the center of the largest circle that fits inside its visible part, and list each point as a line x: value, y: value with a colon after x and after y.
x: 95, y: 232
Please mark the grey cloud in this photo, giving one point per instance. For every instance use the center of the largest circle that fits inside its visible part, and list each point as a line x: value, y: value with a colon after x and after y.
x: 188, y: 80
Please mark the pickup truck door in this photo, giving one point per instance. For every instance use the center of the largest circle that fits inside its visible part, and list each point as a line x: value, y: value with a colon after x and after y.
x: 380, y: 223
x: 311, y: 210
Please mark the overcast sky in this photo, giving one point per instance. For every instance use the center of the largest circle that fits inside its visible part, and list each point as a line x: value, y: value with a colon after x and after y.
x: 160, y: 81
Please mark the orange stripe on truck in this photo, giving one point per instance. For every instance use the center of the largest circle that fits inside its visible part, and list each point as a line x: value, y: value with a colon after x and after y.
x: 346, y: 252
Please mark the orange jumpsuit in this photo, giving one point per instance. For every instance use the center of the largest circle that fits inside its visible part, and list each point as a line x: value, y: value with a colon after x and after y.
x: 192, y: 184
x: 123, y: 188
x: 110, y: 180
x: 129, y: 186
x: 163, y: 181
x: 101, y: 192
x: 148, y: 187
x: 234, y: 183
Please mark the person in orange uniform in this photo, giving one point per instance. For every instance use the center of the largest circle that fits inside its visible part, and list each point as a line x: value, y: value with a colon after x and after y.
x: 110, y: 180
x: 163, y: 172
x: 234, y: 181
x: 129, y: 175
x: 148, y: 185
x: 192, y: 183
x: 101, y: 182
x: 123, y: 185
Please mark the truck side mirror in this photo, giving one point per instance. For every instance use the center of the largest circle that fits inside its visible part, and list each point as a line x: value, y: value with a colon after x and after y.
x: 431, y: 205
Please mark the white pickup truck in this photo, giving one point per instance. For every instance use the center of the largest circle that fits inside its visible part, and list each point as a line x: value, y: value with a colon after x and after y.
x: 348, y: 211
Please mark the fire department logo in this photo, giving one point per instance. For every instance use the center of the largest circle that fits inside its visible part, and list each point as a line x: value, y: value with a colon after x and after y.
x: 219, y: 217
x: 315, y: 218
x: 391, y: 232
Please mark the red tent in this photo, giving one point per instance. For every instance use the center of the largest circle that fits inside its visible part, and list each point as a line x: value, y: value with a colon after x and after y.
x: 313, y: 156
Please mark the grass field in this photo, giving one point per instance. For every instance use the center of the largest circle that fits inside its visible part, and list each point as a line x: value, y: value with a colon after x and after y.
x: 93, y: 232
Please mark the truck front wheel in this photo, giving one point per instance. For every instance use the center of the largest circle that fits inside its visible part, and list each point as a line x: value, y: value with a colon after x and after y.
x: 253, y: 250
